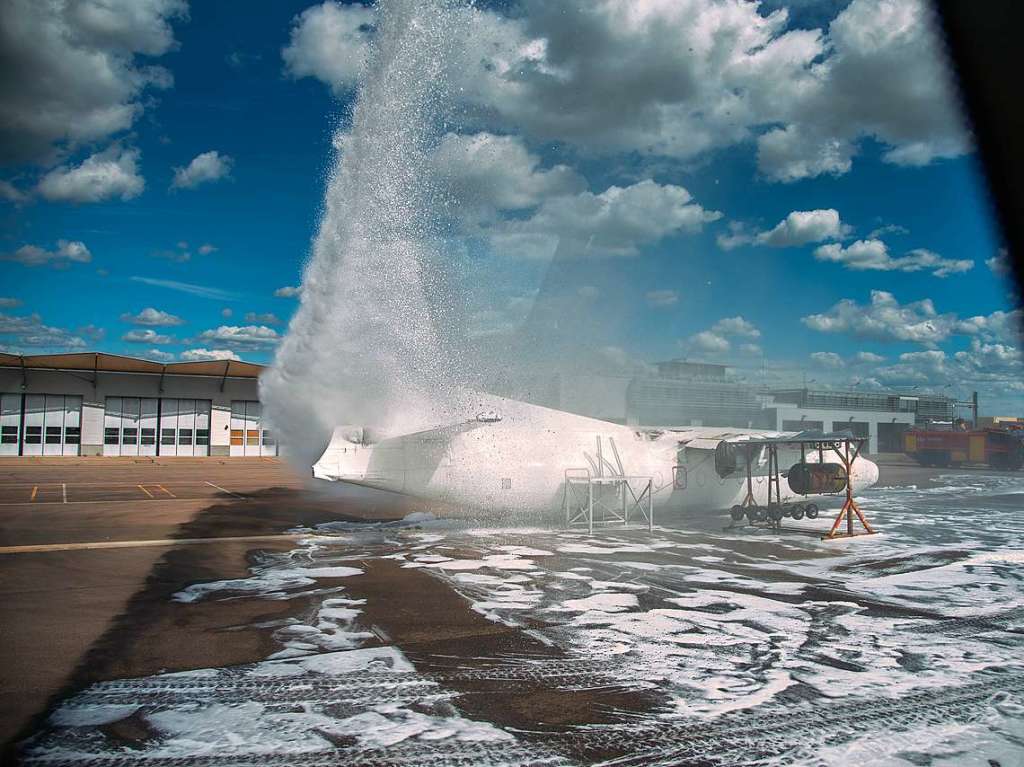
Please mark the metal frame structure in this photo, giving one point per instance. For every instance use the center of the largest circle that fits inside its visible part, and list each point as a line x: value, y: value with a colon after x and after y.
x: 846, y: 447
x: 589, y: 500
x: 850, y: 506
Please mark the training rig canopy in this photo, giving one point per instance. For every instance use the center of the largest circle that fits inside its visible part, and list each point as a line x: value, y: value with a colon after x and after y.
x: 843, y: 444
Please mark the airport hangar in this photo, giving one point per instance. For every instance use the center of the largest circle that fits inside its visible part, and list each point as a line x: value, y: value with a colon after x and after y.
x: 96, y: 404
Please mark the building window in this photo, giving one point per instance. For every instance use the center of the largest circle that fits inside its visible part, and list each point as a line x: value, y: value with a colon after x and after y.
x: 268, y: 438
x: 202, y: 436
x: 252, y: 437
x: 184, y: 436
x: 73, y: 435
x: 53, y: 435
x: 236, y: 436
x: 9, y: 435
x: 33, y: 435
x: 148, y: 437
x: 129, y: 436
x: 167, y: 436
x: 110, y: 435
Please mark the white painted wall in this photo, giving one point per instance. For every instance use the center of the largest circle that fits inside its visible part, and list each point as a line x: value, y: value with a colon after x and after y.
x: 786, y: 412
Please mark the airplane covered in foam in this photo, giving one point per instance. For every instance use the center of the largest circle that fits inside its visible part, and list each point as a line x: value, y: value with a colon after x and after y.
x: 511, y: 456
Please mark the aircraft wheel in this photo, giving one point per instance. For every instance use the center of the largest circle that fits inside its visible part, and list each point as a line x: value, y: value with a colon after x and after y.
x: 737, y: 513
x: 775, y: 512
x: 761, y: 514
x: 798, y: 512
x: 811, y: 510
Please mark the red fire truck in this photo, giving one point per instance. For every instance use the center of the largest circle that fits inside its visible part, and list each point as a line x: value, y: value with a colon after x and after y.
x: 998, y: 448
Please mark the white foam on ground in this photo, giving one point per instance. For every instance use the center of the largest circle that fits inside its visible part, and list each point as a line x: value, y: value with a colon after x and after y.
x: 604, y: 603
x: 84, y: 716
x: 491, y: 561
x: 389, y: 725
x: 190, y: 729
x: 721, y: 628
x: 731, y: 636
x: 270, y: 583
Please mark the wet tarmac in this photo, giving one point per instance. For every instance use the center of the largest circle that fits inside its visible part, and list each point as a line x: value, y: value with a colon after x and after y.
x: 345, y: 635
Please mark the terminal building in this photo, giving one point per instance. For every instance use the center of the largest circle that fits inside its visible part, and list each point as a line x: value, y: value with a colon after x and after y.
x: 105, y: 404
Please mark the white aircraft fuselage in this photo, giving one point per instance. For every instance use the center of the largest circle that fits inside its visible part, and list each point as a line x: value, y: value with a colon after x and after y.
x: 514, y: 458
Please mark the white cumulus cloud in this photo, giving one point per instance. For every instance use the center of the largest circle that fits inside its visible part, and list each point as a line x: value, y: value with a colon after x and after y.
x: 828, y: 360
x: 152, y: 317
x: 329, y: 42
x: 206, y: 355
x: 18, y: 332
x: 680, y: 79
x: 616, y: 222
x: 718, y: 338
x: 873, y: 255
x: 798, y: 228
x: 498, y: 172
x: 885, y: 319
x: 244, y: 337
x: 803, y: 226
x: 869, y: 357
x: 147, y: 336
x: 204, y: 168
x: 66, y: 253
x: 110, y: 174
x: 73, y: 72
x: 157, y: 356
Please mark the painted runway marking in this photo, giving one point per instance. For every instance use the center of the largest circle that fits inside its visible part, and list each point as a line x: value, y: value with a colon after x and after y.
x: 223, y: 490
x: 143, y: 489
x: 64, y: 491
x: 41, y: 548
x: 167, y: 491
x: 35, y: 492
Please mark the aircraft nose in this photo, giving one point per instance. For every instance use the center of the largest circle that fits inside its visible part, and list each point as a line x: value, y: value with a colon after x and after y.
x: 866, y: 474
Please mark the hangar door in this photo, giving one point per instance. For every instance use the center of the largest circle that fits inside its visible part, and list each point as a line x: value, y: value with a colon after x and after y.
x: 10, y: 423
x: 248, y: 437
x: 184, y: 426
x: 129, y: 426
x: 53, y: 424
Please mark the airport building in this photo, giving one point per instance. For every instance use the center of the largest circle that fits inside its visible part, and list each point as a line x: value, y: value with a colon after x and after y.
x: 880, y: 417
x: 105, y: 404
x: 683, y: 393
x: 679, y: 393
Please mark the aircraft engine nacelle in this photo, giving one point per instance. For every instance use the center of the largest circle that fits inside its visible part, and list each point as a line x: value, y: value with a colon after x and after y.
x: 817, y: 478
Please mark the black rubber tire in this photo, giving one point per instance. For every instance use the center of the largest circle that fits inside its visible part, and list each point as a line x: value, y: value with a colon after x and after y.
x: 798, y: 512
x: 811, y: 510
x: 760, y: 513
x: 737, y: 513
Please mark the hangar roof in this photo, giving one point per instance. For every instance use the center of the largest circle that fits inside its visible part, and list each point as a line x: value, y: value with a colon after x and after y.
x: 115, y: 363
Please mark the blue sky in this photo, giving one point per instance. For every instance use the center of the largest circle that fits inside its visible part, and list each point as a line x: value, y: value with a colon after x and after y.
x: 196, y: 190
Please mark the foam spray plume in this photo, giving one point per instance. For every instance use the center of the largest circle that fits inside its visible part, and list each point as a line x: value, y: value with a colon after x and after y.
x: 363, y: 347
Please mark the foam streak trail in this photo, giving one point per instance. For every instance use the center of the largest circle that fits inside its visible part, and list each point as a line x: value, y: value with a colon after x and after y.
x: 363, y: 347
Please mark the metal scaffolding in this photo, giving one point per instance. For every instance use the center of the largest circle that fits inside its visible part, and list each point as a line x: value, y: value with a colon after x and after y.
x: 605, y: 501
